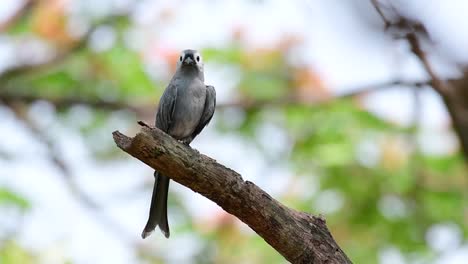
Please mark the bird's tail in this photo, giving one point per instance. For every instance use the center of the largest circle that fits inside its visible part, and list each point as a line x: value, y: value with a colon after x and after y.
x: 158, y: 209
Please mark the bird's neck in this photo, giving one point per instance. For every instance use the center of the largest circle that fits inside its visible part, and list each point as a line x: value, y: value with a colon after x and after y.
x: 193, y: 73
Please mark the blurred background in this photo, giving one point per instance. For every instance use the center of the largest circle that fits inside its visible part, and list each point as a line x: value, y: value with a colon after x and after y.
x: 319, y: 104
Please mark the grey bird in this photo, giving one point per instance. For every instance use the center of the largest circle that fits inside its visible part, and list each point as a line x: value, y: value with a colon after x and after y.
x: 185, y: 108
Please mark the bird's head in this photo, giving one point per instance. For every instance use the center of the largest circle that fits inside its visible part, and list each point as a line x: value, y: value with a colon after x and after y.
x: 190, y: 59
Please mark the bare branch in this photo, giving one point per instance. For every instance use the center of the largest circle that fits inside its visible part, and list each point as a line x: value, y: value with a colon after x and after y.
x: 410, y: 30
x: 438, y: 85
x: 148, y: 109
x: 65, y: 102
x: 352, y: 92
x: 377, y: 6
x: 453, y: 92
x: 298, y: 236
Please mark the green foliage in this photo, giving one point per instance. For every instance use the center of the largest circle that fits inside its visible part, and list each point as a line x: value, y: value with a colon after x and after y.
x: 229, y: 55
x: 11, y: 253
x: 124, y: 69
x: 267, y: 87
x: 325, y: 142
x: 8, y: 197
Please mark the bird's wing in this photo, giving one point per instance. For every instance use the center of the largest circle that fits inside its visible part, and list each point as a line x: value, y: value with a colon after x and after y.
x: 208, y: 111
x: 164, y: 117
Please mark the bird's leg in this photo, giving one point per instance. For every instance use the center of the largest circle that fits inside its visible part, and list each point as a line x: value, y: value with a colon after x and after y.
x: 186, y: 141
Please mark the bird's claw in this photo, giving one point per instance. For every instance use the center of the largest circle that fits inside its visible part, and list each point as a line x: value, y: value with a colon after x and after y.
x: 185, y: 141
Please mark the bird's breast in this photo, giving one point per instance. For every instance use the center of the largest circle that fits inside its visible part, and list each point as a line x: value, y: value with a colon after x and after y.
x: 188, y: 110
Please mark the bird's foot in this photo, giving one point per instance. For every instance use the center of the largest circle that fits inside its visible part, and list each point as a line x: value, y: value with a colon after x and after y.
x: 186, y: 141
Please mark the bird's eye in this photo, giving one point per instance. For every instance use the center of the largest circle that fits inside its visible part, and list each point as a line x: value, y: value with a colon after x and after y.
x: 198, y: 58
x: 180, y: 58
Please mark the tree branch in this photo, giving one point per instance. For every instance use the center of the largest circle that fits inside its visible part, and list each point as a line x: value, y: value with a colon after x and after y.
x: 298, y: 236
x: 454, y: 96
x: 65, y: 102
x: 453, y: 92
x: 352, y: 92
x: 439, y: 85
x: 69, y: 101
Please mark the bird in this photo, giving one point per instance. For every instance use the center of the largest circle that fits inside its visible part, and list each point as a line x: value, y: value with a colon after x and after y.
x: 185, y: 108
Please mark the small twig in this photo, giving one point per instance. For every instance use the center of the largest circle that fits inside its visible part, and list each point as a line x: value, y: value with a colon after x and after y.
x: 453, y: 97
x: 412, y: 28
x: 440, y: 86
x: 376, y: 5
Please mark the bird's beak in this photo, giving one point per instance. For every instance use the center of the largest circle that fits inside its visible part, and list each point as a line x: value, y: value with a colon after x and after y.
x: 189, y: 61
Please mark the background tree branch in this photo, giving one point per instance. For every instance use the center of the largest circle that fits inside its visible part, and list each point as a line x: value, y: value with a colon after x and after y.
x: 298, y: 236
x: 142, y: 109
x: 454, y: 92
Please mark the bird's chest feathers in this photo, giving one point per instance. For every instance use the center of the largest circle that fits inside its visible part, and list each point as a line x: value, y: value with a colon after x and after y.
x: 189, y: 107
x: 192, y: 95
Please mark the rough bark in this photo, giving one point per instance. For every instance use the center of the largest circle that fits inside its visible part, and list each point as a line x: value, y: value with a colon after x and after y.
x: 298, y: 236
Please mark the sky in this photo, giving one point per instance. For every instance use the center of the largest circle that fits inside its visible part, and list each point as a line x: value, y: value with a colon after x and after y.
x: 334, y: 40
